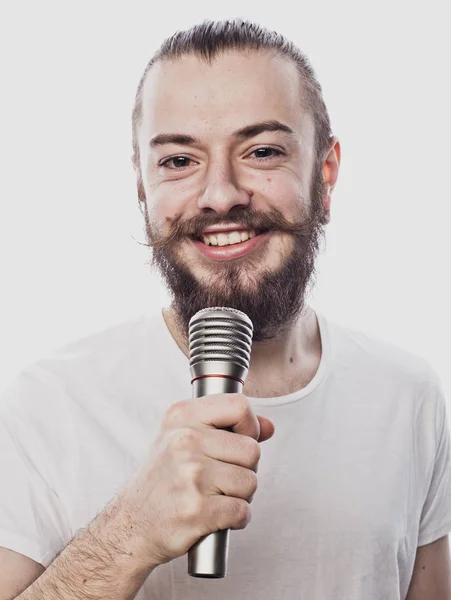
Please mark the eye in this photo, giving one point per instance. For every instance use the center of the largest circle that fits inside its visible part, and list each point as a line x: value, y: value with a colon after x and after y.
x: 266, y: 153
x: 176, y: 162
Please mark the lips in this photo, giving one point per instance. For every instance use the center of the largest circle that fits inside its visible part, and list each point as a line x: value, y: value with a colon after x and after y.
x: 227, y: 237
x: 233, y: 251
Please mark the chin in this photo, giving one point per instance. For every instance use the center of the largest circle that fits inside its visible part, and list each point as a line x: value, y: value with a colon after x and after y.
x: 241, y: 273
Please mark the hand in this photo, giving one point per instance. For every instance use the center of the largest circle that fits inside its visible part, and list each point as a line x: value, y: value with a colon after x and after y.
x: 200, y: 478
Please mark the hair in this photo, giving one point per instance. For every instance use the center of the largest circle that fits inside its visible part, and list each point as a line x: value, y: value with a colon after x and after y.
x: 208, y: 39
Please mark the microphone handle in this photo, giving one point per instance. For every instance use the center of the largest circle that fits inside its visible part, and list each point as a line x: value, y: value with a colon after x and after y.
x: 208, y: 556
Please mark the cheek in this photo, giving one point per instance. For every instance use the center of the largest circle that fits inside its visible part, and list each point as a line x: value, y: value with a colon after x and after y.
x: 281, y: 191
x: 169, y: 201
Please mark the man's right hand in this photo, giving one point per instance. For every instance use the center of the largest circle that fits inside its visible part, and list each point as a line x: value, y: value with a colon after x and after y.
x: 198, y: 479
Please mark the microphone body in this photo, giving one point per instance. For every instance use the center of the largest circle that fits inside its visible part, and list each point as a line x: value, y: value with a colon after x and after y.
x: 219, y: 347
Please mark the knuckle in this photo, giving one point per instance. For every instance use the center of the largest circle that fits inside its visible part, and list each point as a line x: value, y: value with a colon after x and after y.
x: 183, y: 439
x: 252, y: 483
x: 240, y: 404
x: 193, y: 506
x: 254, y: 452
x: 192, y: 471
x: 245, y: 482
x: 176, y: 412
x: 241, y: 512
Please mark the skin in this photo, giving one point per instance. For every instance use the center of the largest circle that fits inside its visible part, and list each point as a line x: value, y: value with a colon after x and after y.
x: 431, y: 579
x: 222, y: 173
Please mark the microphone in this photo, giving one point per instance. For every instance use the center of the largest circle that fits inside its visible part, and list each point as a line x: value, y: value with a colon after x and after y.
x: 220, y: 341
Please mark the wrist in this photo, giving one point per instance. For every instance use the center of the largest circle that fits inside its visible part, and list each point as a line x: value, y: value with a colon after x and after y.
x: 115, y: 531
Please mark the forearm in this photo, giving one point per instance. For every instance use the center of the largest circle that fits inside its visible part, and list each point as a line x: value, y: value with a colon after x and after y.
x: 98, y: 563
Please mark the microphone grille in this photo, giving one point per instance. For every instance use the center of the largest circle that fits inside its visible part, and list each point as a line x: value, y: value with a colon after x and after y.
x: 220, y: 334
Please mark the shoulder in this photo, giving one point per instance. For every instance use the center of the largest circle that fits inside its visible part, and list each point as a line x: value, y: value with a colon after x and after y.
x: 73, y: 369
x: 379, y: 361
x: 109, y: 342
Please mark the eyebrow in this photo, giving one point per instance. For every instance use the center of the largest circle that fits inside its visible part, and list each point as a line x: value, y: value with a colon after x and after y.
x: 252, y: 130
x: 244, y: 133
x: 173, y: 138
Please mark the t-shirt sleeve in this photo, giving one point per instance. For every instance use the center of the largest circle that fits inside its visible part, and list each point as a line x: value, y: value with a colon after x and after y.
x: 436, y: 512
x: 32, y: 519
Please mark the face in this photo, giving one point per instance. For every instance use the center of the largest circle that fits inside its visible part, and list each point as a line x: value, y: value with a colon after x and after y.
x: 233, y: 199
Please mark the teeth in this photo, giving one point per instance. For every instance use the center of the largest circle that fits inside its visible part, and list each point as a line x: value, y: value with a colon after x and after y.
x: 227, y: 239
x: 223, y: 239
x: 234, y: 237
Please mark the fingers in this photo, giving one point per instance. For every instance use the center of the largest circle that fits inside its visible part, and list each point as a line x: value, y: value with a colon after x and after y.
x: 200, y: 476
x: 230, y: 513
x: 220, y: 411
x: 266, y: 428
x: 231, y: 480
x: 229, y: 447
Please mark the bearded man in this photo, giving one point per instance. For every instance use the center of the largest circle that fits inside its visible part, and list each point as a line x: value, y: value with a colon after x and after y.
x: 111, y: 473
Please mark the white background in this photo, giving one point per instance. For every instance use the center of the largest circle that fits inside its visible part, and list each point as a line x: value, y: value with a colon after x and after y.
x: 69, y: 71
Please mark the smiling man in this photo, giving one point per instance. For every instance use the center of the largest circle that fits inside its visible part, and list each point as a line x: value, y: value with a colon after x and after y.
x: 234, y: 173
x: 235, y: 164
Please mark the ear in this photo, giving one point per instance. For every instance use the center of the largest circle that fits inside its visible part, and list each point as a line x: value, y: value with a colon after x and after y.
x: 331, y: 168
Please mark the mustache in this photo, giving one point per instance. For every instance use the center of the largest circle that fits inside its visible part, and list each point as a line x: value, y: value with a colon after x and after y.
x: 273, y: 220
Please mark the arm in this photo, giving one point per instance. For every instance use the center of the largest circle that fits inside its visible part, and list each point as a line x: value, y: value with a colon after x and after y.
x: 97, y: 564
x: 199, y: 477
x: 431, y: 579
x: 17, y: 572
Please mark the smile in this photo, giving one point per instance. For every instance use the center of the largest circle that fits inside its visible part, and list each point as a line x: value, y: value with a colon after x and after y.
x: 229, y: 238
x: 230, y: 245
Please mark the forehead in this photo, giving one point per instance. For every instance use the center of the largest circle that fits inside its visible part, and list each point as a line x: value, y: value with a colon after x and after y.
x: 190, y: 95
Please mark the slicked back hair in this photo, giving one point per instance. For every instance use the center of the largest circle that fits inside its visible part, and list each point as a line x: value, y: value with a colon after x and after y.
x: 210, y: 38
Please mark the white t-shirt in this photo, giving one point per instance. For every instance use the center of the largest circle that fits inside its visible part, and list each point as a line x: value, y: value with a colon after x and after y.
x: 357, y: 475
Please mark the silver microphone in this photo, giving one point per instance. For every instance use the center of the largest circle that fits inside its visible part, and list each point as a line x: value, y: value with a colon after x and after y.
x: 219, y: 351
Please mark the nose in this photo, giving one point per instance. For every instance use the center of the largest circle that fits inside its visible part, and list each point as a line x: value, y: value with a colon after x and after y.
x: 222, y: 191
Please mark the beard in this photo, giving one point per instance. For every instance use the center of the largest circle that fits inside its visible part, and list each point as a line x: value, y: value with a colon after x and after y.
x: 272, y: 299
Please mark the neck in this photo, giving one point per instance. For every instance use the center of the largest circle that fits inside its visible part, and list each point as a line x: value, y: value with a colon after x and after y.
x: 279, y: 366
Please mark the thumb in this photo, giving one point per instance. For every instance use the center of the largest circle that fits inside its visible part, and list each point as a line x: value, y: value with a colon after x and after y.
x: 266, y: 428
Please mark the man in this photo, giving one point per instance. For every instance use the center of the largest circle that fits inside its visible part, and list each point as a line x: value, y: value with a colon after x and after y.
x: 110, y: 472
